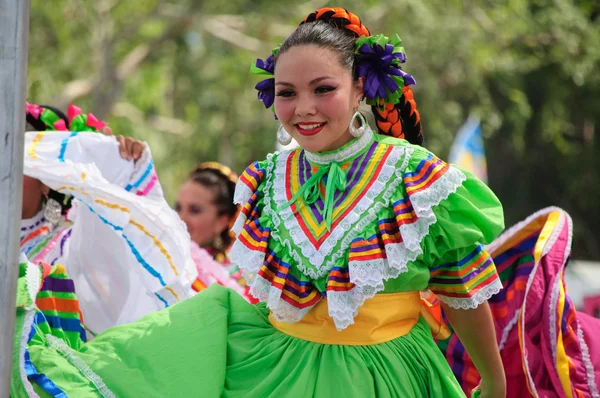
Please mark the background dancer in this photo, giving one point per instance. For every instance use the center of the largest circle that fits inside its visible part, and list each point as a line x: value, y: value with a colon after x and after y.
x: 119, y: 276
x: 205, y: 204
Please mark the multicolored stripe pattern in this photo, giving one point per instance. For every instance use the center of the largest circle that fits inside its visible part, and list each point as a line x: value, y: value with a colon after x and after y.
x: 361, y: 173
x: 44, y: 242
x: 426, y: 174
x: 300, y: 294
x: 541, y: 341
x: 404, y: 212
x: 254, y: 236
x: 143, y: 184
x: 59, y: 314
x: 252, y: 176
x: 55, y: 313
x: 464, y: 278
x: 514, y: 266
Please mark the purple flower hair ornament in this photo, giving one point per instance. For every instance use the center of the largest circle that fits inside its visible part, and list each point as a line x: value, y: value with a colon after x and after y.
x: 266, y: 88
x: 378, y: 60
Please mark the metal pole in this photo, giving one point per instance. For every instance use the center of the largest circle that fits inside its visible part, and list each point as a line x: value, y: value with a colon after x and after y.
x: 14, y: 34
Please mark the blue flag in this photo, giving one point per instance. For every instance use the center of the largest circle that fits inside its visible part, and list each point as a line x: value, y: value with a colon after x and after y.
x: 467, y: 150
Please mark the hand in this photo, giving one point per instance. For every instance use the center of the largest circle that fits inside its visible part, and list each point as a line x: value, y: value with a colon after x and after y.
x: 129, y: 148
x: 490, y: 390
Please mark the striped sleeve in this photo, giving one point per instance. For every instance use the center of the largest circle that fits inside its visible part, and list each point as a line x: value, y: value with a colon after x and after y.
x: 468, y: 282
x: 458, y: 215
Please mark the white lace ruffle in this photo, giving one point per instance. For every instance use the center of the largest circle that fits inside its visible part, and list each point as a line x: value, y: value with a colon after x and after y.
x: 242, y: 193
x: 33, y: 279
x: 343, y: 154
x: 262, y: 290
x: 249, y: 260
x: 238, y: 226
x: 507, y: 329
x: 27, y: 324
x: 587, y: 362
x: 474, y: 301
x: 552, y: 313
x: 69, y: 354
x: 367, y: 277
x: 359, y: 217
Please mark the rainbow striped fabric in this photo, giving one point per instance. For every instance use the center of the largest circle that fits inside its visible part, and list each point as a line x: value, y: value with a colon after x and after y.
x: 293, y: 258
x: 464, y: 278
x: 542, y: 342
x: 46, y: 300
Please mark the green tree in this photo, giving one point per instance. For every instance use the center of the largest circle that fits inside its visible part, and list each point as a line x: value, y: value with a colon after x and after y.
x: 175, y: 73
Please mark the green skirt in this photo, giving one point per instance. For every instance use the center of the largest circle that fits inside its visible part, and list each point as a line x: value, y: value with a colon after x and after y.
x: 218, y: 345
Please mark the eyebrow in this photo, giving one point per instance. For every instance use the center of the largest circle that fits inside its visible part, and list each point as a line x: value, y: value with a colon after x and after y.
x: 313, y: 81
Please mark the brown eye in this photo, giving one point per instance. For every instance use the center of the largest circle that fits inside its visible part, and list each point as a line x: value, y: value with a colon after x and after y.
x: 195, y: 209
x: 324, y: 89
x: 285, y: 93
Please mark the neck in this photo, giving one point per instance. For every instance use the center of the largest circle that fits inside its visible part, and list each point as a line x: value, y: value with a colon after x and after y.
x: 28, y: 212
x: 340, y: 142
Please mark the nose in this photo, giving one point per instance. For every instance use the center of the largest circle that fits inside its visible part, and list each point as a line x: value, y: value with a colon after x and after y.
x: 305, y: 106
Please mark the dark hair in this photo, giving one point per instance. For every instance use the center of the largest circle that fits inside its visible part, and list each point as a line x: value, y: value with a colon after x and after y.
x: 337, y: 29
x: 325, y: 35
x: 37, y: 124
x: 224, y: 188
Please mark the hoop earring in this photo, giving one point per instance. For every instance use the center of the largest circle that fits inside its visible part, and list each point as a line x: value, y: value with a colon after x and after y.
x: 52, y: 211
x: 283, y: 137
x: 218, y: 243
x: 358, y: 131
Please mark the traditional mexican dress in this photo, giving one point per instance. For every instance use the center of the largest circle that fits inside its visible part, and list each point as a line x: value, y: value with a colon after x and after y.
x: 211, y: 271
x: 120, y: 242
x: 339, y: 247
x: 547, y: 347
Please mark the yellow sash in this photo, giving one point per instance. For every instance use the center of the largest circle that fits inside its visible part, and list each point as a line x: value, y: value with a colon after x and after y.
x: 382, y: 318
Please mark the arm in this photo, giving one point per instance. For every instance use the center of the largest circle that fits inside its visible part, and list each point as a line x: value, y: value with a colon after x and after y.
x: 475, y: 329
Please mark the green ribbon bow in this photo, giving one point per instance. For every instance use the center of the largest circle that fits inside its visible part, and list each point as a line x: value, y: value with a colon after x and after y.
x: 336, y: 181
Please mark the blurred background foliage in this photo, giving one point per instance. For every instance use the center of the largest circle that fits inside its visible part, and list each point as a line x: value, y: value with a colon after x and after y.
x: 175, y: 73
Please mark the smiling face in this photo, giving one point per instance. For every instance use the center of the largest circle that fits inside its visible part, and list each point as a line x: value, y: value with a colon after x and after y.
x: 315, y: 97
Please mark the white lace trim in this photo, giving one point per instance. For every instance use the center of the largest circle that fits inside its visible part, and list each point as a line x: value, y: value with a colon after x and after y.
x: 27, y: 324
x: 552, y: 311
x: 359, y: 217
x: 344, y: 154
x: 474, y: 301
x: 509, y: 233
x: 249, y: 260
x: 507, y: 329
x: 587, y: 362
x: 238, y: 226
x: 33, y: 278
x: 69, y: 354
x: 242, y: 193
x: 262, y: 290
x: 368, y: 277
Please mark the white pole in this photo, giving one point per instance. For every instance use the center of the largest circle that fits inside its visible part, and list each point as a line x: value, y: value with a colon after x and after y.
x: 14, y: 34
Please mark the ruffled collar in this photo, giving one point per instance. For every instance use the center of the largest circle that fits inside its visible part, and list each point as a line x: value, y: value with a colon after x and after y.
x: 31, y: 224
x: 343, y: 153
